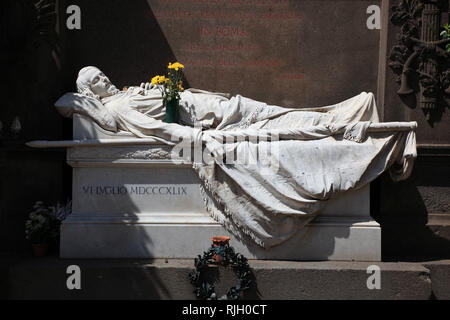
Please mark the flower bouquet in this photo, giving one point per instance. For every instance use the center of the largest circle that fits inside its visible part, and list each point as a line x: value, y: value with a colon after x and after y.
x: 170, y: 88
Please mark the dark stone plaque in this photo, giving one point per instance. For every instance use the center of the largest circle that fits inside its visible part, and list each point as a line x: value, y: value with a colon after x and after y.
x: 290, y: 53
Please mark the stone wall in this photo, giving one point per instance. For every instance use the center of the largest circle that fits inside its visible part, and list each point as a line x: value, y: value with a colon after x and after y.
x: 414, y: 214
x: 289, y: 53
x: 293, y: 53
x: 32, y: 73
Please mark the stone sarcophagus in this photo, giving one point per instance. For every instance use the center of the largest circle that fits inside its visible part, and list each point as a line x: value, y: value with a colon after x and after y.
x: 130, y: 200
x: 284, y: 184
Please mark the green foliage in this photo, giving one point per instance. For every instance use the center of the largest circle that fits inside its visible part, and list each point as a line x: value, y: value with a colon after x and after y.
x: 172, y: 85
x: 44, y: 222
x: 445, y: 34
x: 228, y: 258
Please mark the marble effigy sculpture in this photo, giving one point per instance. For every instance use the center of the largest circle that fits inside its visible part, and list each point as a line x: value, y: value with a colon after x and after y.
x: 296, y: 165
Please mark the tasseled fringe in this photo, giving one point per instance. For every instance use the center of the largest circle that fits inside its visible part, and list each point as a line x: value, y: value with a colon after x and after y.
x: 356, y: 138
x: 207, y: 189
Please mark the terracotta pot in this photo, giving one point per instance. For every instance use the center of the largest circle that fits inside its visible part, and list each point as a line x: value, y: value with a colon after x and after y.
x: 40, y: 249
x: 219, y: 241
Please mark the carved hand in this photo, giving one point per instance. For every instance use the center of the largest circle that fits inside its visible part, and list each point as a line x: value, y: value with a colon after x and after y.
x: 146, y: 86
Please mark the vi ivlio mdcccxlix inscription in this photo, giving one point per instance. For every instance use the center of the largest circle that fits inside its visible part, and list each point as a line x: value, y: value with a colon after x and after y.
x: 163, y: 190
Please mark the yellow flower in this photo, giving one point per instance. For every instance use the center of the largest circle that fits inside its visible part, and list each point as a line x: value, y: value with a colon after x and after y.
x: 155, y: 80
x: 164, y: 80
x: 175, y: 66
x: 160, y: 80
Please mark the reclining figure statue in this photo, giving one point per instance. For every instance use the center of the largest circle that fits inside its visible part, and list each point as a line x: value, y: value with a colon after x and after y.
x: 140, y: 110
x: 319, y: 152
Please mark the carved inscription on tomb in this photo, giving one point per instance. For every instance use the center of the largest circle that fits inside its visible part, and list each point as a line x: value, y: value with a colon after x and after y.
x: 135, y: 190
x: 227, y: 33
x: 239, y: 40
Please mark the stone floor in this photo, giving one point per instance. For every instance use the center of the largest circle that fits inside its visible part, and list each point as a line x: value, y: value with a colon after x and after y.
x: 45, y: 278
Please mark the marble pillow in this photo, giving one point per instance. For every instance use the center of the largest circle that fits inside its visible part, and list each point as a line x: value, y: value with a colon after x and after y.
x: 71, y: 103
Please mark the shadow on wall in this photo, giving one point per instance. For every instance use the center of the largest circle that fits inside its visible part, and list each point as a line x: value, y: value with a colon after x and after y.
x: 31, y: 67
x: 406, y: 212
x: 30, y: 60
x: 136, y: 278
x: 122, y: 39
x: 24, y: 277
x: 434, y: 115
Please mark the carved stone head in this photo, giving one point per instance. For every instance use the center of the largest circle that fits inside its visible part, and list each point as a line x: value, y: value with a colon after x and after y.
x: 92, y: 82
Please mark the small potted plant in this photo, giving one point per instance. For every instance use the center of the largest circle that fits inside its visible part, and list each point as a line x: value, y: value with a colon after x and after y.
x: 170, y: 88
x: 42, y: 227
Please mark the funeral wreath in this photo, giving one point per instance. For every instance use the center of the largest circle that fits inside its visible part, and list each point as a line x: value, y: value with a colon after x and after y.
x: 222, y: 254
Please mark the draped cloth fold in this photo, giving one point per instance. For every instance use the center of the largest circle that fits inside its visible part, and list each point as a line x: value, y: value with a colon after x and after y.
x: 281, y: 175
x: 286, y: 164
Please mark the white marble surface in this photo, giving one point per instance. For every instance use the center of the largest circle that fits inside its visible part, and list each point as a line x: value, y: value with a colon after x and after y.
x: 183, y: 236
x: 85, y: 128
x: 117, y: 190
x: 130, y: 199
x: 122, y: 209
x: 149, y: 224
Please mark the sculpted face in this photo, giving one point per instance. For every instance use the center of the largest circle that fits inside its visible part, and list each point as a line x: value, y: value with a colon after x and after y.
x: 98, y: 82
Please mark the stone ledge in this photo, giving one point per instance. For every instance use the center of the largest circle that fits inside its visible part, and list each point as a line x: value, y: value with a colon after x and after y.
x: 440, y: 278
x: 45, y: 278
x: 323, y: 240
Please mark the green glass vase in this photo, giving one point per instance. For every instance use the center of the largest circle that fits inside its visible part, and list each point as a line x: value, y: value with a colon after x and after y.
x: 172, y: 111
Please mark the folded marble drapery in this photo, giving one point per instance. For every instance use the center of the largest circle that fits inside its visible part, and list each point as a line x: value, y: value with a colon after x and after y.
x: 279, y: 186
x: 271, y: 203
x: 289, y: 162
